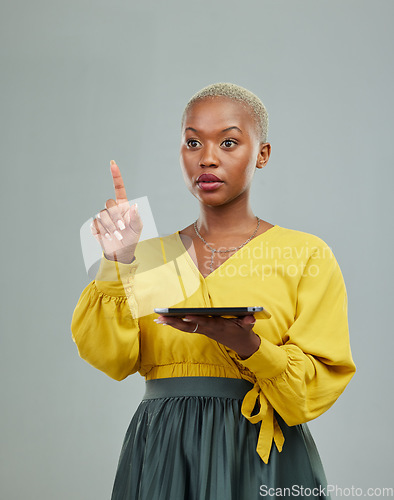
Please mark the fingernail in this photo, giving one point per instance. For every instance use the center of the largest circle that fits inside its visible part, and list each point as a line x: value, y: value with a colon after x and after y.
x: 187, y: 320
x: 159, y: 321
x: 112, y: 162
x: 135, y: 208
x: 98, y: 216
x: 118, y: 235
x: 121, y: 225
x: 108, y: 236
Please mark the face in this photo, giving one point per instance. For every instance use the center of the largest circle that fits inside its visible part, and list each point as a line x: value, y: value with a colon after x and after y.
x: 220, y: 150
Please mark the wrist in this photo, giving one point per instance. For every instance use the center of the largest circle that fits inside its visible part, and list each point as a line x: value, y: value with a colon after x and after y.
x: 250, y: 346
x: 127, y: 259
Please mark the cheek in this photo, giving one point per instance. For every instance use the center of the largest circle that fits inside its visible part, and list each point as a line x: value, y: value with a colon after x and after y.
x: 186, y: 160
x: 185, y: 170
x: 248, y: 171
x: 246, y: 162
x: 183, y: 156
x: 182, y: 162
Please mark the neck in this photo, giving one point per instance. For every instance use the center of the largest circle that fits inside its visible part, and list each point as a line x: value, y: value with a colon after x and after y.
x: 226, y: 220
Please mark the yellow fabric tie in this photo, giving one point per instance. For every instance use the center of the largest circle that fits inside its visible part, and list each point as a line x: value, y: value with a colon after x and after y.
x: 270, y: 429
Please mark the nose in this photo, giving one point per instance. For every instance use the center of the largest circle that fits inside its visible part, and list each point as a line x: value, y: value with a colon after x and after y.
x: 208, y: 156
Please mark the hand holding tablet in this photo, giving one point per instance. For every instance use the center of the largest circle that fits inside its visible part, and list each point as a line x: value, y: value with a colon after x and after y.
x: 231, y: 312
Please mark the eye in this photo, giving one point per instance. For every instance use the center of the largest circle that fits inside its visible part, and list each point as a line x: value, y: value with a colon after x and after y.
x: 228, y: 143
x: 192, y: 143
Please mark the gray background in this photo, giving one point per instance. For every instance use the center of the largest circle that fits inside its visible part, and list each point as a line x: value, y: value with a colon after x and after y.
x: 86, y: 82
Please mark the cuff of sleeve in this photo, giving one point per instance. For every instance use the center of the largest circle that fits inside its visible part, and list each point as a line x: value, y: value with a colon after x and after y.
x: 267, y: 362
x: 115, y: 278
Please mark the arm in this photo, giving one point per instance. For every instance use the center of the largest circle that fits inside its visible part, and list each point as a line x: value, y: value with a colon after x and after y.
x: 105, y: 321
x: 302, y: 378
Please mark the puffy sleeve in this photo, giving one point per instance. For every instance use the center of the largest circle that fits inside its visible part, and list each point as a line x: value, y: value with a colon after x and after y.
x: 304, y: 376
x: 105, y: 324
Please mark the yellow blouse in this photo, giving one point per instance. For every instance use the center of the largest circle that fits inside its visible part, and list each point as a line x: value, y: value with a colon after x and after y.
x: 304, y: 360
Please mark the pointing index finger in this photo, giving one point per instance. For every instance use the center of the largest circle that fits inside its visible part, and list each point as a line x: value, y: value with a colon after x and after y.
x: 120, y: 191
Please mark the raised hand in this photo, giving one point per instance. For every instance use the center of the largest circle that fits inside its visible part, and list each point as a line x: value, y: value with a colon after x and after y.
x: 118, y: 227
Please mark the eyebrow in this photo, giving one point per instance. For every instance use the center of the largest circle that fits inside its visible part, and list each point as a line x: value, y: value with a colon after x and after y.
x: 224, y: 130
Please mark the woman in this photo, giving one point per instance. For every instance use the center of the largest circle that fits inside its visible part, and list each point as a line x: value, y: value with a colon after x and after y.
x: 226, y: 398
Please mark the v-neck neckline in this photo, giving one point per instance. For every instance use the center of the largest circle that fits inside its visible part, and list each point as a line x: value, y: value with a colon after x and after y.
x: 193, y: 265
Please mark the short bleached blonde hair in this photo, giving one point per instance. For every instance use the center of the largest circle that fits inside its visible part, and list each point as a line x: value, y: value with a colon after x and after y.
x: 235, y: 93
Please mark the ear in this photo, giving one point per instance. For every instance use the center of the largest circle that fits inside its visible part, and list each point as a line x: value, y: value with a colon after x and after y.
x: 264, y: 154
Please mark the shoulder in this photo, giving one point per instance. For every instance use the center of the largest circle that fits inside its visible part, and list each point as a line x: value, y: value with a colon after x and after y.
x: 301, y: 246
x: 295, y: 237
x: 314, y: 256
x: 319, y: 255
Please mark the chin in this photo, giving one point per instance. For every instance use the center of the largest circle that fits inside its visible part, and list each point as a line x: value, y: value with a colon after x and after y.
x: 212, y: 202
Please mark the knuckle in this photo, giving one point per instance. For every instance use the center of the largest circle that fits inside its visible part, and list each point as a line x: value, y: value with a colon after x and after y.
x: 110, y: 203
x: 100, y: 227
x: 105, y: 218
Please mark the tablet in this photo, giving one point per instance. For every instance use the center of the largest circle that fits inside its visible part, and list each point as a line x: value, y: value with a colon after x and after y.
x: 258, y: 312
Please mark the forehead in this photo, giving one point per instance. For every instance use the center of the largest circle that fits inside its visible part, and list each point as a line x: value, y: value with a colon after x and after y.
x: 215, y: 114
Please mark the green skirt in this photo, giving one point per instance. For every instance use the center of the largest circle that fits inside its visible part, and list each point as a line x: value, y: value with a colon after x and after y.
x: 188, y: 440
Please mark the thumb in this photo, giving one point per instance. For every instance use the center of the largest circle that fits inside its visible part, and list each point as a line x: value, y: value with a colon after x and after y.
x: 249, y: 320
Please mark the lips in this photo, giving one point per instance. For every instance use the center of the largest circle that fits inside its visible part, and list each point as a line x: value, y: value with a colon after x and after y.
x: 209, y: 182
x: 208, y: 178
